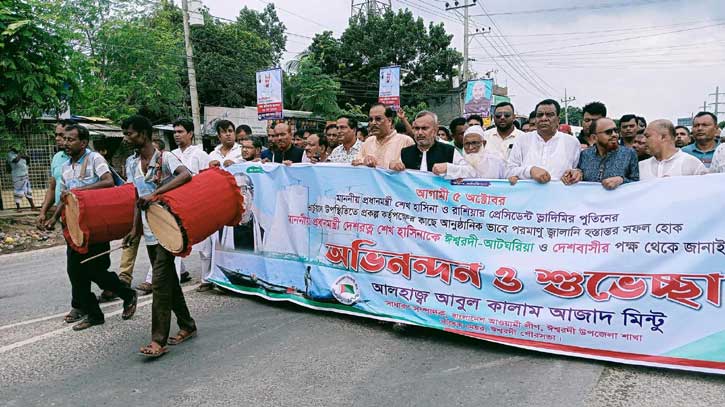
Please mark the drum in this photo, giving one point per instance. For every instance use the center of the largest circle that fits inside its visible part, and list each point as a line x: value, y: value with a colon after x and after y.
x: 194, y: 211
x: 98, y: 215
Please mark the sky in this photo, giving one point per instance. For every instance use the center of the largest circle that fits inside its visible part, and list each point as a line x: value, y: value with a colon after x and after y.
x: 654, y: 58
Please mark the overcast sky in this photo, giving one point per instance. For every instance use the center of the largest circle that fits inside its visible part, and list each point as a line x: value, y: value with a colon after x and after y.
x: 657, y: 58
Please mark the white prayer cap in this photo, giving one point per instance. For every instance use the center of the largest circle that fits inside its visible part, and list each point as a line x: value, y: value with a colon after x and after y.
x: 474, y: 130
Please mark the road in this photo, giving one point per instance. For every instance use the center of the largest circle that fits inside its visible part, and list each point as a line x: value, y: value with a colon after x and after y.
x: 253, y: 352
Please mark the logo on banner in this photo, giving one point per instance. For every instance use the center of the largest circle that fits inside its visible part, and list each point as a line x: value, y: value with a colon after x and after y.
x: 346, y: 290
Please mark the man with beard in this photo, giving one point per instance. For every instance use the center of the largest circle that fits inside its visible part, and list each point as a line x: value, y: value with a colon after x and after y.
x: 667, y: 160
x: 476, y: 162
x: 154, y: 173
x: 606, y: 161
x: 427, y: 151
x: 384, y: 144
x: 331, y: 134
x: 705, y: 132
x: 640, y: 147
x: 281, y: 148
x: 500, y: 139
x: 682, y: 136
x: 251, y: 149
x: 546, y: 153
x: 628, y: 129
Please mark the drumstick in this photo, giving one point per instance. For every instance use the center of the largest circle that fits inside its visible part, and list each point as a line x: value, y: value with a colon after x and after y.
x: 102, y: 254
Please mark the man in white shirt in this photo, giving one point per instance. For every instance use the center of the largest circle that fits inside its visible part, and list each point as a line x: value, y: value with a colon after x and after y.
x: 475, y: 162
x: 500, y: 140
x: 349, y: 144
x: 546, y: 153
x: 228, y: 152
x: 667, y: 160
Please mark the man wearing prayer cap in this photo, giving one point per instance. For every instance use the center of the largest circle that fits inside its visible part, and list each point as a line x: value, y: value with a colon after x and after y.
x: 475, y: 162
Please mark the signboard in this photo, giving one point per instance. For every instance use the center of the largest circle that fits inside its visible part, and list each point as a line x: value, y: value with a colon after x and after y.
x: 479, y: 95
x: 269, y: 94
x: 622, y: 275
x: 685, y: 121
x: 389, y: 88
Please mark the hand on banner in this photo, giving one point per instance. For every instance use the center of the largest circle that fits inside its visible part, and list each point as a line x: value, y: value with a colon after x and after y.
x: 513, y: 180
x: 370, y: 161
x: 540, y: 175
x: 440, y: 168
x: 265, y: 160
x: 572, y: 176
x: 228, y: 163
x: 287, y: 162
x: 397, y: 165
x: 612, y: 182
x: 214, y: 163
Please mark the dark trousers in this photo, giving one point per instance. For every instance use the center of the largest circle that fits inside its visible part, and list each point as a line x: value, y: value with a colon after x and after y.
x: 96, y: 270
x: 167, y: 296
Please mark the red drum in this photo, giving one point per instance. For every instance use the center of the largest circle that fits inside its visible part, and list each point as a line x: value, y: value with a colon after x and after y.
x: 98, y: 215
x: 194, y: 211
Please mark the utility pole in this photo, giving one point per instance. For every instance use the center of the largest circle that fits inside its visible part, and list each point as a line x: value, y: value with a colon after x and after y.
x: 717, y: 100
x: 704, y: 106
x: 192, y: 72
x: 566, y: 101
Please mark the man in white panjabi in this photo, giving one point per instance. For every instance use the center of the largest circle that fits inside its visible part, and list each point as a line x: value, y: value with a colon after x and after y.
x: 475, y: 162
x: 667, y: 160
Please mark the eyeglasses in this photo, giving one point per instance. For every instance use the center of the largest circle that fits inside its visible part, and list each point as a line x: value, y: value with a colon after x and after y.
x: 376, y: 119
x: 472, y: 143
x: 503, y: 114
x: 609, y: 132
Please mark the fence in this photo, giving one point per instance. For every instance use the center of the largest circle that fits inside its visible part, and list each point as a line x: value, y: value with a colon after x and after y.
x: 38, y: 143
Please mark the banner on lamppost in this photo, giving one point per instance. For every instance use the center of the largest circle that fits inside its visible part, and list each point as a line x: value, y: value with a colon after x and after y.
x: 269, y: 94
x: 389, y: 89
x: 479, y: 95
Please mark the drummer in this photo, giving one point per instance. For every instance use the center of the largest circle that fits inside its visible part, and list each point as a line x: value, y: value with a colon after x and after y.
x: 87, y: 170
x: 154, y: 173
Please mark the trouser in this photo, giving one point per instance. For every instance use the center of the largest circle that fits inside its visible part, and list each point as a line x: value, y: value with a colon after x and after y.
x: 204, y: 248
x: 128, y: 260
x: 167, y: 296
x: 96, y: 270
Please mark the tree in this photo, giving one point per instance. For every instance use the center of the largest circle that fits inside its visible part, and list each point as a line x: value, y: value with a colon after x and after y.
x: 33, y: 63
x: 721, y: 125
x: 267, y: 25
x: 311, y: 90
x: 427, y: 61
x: 575, y: 115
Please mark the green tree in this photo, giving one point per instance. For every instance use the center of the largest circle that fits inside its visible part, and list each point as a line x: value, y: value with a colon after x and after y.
x: 34, y: 65
x: 575, y: 115
x: 267, y: 25
x: 311, y: 90
x: 721, y: 125
x: 427, y: 61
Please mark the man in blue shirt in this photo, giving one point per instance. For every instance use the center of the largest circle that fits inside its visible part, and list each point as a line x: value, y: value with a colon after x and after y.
x: 704, y: 131
x: 52, y: 194
x: 606, y: 161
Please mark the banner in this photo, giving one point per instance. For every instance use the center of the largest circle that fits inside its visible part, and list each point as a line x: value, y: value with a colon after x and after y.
x: 389, y: 88
x: 632, y: 275
x: 269, y: 94
x: 479, y: 94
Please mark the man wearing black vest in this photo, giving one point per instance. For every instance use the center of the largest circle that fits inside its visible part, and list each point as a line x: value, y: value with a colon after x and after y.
x: 427, y: 151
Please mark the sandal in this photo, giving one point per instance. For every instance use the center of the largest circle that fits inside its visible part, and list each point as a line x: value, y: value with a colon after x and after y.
x: 182, y: 336
x: 129, y: 308
x: 107, y: 296
x: 87, y: 323
x: 153, y: 352
x: 145, y: 288
x: 74, y: 315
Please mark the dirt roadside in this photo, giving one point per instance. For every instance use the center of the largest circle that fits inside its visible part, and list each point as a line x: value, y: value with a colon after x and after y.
x: 19, y: 234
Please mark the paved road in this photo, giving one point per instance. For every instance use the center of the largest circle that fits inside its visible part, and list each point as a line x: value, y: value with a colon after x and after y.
x: 252, y: 352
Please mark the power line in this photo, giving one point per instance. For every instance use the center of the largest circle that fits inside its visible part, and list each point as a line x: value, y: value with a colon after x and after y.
x: 575, y: 8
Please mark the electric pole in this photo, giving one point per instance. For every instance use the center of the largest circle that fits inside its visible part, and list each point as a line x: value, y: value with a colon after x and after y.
x: 717, y: 100
x: 566, y: 101
x: 192, y: 72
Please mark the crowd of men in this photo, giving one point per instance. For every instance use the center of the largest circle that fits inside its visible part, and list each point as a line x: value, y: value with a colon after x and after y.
x: 608, y: 152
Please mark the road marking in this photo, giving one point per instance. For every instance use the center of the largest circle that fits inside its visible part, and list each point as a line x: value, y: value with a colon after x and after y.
x: 41, y: 319
x: 57, y: 332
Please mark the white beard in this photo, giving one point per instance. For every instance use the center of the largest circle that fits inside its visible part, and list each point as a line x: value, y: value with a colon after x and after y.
x: 477, y: 161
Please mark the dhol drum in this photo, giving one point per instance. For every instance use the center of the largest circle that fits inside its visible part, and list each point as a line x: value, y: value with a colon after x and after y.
x: 194, y: 211
x: 98, y: 216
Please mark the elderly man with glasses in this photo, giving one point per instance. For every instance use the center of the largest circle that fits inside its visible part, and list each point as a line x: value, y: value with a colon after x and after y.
x: 606, y: 161
x: 476, y: 161
x: 500, y: 140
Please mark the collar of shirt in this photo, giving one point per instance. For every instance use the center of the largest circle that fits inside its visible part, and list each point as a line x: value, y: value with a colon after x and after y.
x: 673, y: 157
x: 695, y: 148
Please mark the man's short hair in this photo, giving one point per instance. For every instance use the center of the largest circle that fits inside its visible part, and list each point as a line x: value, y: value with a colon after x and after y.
x: 330, y: 126
x: 503, y: 104
x: 389, y: 113
x: 66, y: 122
x: 300, y: 133
x: 458, y: 121
x: 475, y: 117
x: 427, y: 113
x: 138, y: 123
x: 532, y: 115
x: 641, y: 119
x: 400, y: 127
x: 665, y: 125
x: 548, y: 102
x: 363, y: 130
x: 160, y: 142
x: 627, y: 118
x: 712, y: 116
x: 593, y: 126
x: 683, y: 128
x: 351, y: 122
x: 595, y: 109
x: 223, y: 125
x: 323, y: 141
x: 243, y: 127
x: 83, y: 133
x: 187, y: 124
